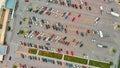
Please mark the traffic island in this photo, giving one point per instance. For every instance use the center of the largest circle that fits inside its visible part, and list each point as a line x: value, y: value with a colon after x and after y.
x: 50, y: 54
x: 99, y: 64
x: 32, y: 51
x: 75, y: 59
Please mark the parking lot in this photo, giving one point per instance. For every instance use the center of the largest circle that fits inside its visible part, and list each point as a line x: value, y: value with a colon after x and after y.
x: 63, y: 29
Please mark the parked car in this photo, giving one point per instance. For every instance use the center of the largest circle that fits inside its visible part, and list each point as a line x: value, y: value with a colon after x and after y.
x: 34, y: 18
x: 73, y: 19
x: 10, y: 58
x: 81, y: 45
x: 102, y: 46
x: 22, y: 55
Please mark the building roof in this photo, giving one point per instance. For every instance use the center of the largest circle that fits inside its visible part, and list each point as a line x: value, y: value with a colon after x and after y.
x: 2, y: 2
x: 10, y: 4
x: 3, y: 22
x: 3, y: 50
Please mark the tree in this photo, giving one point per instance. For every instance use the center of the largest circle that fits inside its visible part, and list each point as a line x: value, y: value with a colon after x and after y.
x: 21, y: 32
x: 114, y: 50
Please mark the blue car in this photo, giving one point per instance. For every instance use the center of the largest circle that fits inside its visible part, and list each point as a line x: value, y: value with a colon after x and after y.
x: 66, y: 17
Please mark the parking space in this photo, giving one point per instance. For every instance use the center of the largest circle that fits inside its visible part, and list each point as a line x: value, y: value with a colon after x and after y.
x: 43, y: 26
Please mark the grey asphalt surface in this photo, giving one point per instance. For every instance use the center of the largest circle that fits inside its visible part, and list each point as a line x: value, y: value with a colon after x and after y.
x: 105, y: 24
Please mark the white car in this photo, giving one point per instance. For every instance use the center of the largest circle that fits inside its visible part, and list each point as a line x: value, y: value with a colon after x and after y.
x: 102, y: 46
x: 31, y: 36
x: 47, y: 38
x: 101, y: 34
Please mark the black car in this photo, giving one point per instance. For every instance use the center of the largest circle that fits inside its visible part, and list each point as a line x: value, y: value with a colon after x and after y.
x: 90, y: 8
x: 65, y: 38
x: 20, y: 22
x: 30, y: 9
x: 10, y: 58
x: 50, y: 9
x: 34, y: 18
x: 81, y: 45
x: 82, y: 34
x: 41, y: 47
x: 46, y: 48
x: 22, y: 55
x: 64, y: 14
x: 80, y: 6
x: 35, y: 46
x: 44, y: 38
x: 42, y: 21
x: 30, y: 57
x: 41, y: 12
x: 47, y: 43
x: 39, y: 37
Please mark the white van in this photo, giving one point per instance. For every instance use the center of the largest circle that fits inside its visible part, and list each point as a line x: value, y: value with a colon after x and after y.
x: 102, y: 46
x: 114, y: 14
x: 101, y: 34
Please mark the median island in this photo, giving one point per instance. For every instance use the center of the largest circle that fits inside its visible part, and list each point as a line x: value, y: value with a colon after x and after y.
x: 32, y: 51
x: 50, y: 54
x: 75, y: 59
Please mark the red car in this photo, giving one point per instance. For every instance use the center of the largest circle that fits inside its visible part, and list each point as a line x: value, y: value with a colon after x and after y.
x: 26, y: 0
x: 52, y: 35
x: 44, y: 8
x: 84, y: 67
x: 24, y: 43
x: 74, y: 40
x: 67, y: 52
x: 88, y: 31
x: 76, y: 6
x: 79, y: 15
x: 73, y: 19
x: 58, y: 50
x: 77, y: 32
x: 69, y: 13
x: 72, y: 53
x: 60, y: 62
x: 85, y: 3
x: 23, y: 66
x: 37, y: 33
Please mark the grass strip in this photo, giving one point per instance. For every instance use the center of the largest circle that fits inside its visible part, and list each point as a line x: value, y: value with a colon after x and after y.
x: 32, y: 51
x: 99, y: 64
x: 50, y: 54
x: 75, y: 59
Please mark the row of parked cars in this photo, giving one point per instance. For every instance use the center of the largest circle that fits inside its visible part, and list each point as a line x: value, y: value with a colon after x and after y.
x: 71, y: 65
x: 25, y: 66
x: 50, y: 11
x: 47, y: 60
x: 70, y: 4
x: 51, y: 38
